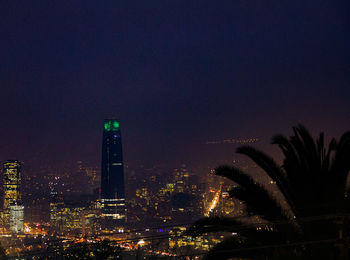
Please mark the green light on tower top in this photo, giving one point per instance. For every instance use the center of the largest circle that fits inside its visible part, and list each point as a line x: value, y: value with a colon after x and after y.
x: 108, y: 125
x: 111, y: 125
x: 115, y: 125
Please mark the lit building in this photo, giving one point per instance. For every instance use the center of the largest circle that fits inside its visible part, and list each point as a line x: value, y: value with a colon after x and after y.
x: 112, y: 177
x: 12, y: 190
x: 181, y: 178
x: 185, y: 201
x: 178, y: 238
x: 16, y: 219
x: 55, y: 208
x: 66, y: 218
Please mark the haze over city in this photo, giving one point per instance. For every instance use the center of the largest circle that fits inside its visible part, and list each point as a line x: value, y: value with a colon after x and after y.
x: 144, y: 129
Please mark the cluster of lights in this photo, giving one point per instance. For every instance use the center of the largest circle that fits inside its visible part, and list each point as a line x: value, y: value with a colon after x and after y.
x: 235, y: 141
x: 213, y: 203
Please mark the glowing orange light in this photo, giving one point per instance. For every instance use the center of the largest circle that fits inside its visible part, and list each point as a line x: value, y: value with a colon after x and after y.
x: 214, y: 202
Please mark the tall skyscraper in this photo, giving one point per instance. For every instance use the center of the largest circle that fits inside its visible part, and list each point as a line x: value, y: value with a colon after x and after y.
x: 112, y: 176
x: 13, y: 209
x: 12, y: 183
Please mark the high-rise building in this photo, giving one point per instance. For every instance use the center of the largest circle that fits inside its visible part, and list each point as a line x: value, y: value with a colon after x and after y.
x: 16, y: 219
x: 12, y: 183
x: 112, y: 177
x: 12, y: 194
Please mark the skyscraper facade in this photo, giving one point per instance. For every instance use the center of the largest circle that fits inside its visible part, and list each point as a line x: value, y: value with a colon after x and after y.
x: 16, y: 219
x: 12, y: 183
x: 112, y: 176
x: 12, y: 194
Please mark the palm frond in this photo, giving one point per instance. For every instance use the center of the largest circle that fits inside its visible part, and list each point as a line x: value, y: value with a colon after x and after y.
x: 255, y: 196
x: 271, y: 168
x: 313, y: 182
x: 259, y: 202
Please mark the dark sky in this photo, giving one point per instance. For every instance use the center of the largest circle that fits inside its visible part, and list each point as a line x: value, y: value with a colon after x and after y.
x: 176, y: 73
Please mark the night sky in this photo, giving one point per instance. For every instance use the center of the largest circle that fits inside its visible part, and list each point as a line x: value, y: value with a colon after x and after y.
x: 176, y: 73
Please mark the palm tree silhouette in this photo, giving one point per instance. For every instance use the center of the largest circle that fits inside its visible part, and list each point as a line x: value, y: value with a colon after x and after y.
x: 310, y: 222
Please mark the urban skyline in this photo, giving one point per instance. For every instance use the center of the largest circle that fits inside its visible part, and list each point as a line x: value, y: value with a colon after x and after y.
x: 154, y: 200
x: 174, y: 129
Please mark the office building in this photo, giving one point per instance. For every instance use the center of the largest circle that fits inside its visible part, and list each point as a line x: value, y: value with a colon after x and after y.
x: 12, y: 192
x: 112, y: 177
x: 16, y: 219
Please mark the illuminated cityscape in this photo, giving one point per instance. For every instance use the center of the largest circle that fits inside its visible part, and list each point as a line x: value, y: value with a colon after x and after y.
x: 190, y: 130
x: 161, y: 203
x: 159, y: 207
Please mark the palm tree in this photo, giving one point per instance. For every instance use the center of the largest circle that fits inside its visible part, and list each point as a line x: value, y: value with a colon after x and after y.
x: 313, y: 222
